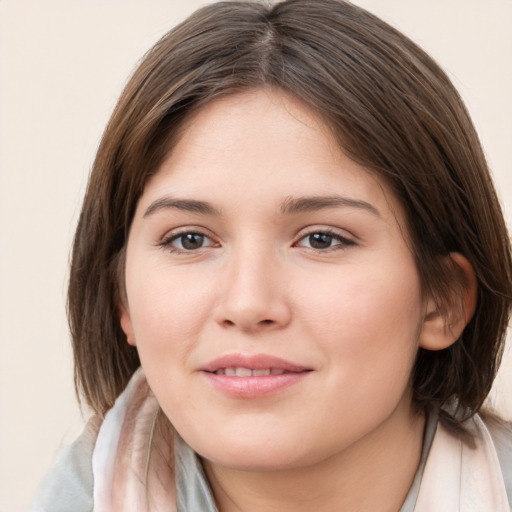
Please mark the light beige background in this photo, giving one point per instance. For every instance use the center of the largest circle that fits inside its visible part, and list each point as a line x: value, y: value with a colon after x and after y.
x: 62, y: 66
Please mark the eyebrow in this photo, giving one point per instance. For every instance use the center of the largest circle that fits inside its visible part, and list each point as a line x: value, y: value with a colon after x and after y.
x: 187, y: 205
x: 309, y: 204
x: 289, y: 206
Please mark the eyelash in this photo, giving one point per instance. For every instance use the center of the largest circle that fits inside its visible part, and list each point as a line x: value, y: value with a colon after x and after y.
x: 166, y: 243
x: 343, y: 242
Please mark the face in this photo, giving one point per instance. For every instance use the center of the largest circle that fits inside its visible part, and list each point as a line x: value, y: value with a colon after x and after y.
x: 271, y: 291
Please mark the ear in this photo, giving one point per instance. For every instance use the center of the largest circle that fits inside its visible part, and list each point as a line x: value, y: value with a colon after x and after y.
x: 126, y: 324
x: 443, y: 328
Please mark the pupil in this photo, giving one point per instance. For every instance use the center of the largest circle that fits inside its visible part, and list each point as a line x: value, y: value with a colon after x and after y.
x: 320, y: 240
x: 192, y: 241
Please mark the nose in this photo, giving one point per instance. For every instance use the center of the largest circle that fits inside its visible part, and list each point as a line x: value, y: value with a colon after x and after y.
x: 253, y: 295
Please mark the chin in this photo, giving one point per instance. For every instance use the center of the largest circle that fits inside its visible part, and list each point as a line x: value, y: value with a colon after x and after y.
x: 256, y: 460
x: 255, y: 453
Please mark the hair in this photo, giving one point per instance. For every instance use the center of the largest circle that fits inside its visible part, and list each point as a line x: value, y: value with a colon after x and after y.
x: 391, y: 108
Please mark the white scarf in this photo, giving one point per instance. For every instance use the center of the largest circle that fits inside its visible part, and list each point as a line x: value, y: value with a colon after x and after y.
x: 458, y: 478
x: 133, y: 463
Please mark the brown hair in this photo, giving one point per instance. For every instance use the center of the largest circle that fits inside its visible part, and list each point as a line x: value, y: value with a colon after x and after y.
x: 392, y: 110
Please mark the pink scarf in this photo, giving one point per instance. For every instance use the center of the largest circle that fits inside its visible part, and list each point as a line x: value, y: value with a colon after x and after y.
x: 133, y: 463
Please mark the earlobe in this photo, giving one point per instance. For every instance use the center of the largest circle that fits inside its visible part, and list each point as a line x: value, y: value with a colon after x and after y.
x: 443, y: 328
x: 126, y: 324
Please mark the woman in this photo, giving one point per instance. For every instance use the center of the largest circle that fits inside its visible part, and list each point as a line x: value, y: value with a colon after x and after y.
x: 291, y: 228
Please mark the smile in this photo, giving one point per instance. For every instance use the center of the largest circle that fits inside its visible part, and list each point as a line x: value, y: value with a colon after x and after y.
x: 253, y: 376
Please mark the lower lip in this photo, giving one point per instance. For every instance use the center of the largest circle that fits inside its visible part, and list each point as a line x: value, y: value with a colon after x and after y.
x: 254, y: 386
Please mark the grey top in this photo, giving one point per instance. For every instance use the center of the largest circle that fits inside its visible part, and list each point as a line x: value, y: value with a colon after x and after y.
x: 68, y: 487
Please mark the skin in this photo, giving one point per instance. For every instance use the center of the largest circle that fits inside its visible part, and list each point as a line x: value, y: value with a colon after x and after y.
x: 345, y: 437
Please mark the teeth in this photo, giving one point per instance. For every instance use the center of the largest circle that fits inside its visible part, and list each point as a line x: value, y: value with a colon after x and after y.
x: 266, y: 371
x: 243, y: 372
x: 247, y: 372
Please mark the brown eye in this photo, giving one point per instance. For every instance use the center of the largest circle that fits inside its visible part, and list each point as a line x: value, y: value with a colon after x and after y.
x: 188, y: 241
x: 320, y: 240
x: 324, y: 240
x: 191, y: 241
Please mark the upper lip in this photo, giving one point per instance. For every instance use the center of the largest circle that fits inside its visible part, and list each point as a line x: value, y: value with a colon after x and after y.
x: 253, y: 361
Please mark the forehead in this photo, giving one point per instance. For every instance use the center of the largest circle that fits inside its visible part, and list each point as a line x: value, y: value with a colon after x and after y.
x: 261, y: 147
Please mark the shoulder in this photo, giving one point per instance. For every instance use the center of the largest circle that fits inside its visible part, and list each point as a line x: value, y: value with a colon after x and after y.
x: 69, y: 483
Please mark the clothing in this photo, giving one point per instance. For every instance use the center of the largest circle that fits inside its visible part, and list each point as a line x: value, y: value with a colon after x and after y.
x: 123, y: 464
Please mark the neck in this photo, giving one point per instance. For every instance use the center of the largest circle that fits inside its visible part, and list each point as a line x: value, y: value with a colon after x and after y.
x: 375, y: 473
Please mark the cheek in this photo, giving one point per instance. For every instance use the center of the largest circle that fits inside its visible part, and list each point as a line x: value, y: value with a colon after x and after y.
x: 368, y: 316
x: 168, y: 310
x: 368, y: 329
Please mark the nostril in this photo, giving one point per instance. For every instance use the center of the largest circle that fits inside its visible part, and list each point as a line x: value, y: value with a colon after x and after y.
x: 261, y: 323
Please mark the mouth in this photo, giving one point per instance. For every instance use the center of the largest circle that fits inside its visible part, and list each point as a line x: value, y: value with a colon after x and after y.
x: 247, y: 365
x: 240, y: 371
x: 253, y: 376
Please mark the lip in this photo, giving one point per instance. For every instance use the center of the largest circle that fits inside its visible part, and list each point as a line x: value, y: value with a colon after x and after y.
x: 253, y: 361
x: 254, y: 386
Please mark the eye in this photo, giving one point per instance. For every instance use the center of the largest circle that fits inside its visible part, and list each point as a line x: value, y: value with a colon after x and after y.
x: 187, y: 242
x: 324, y: 240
